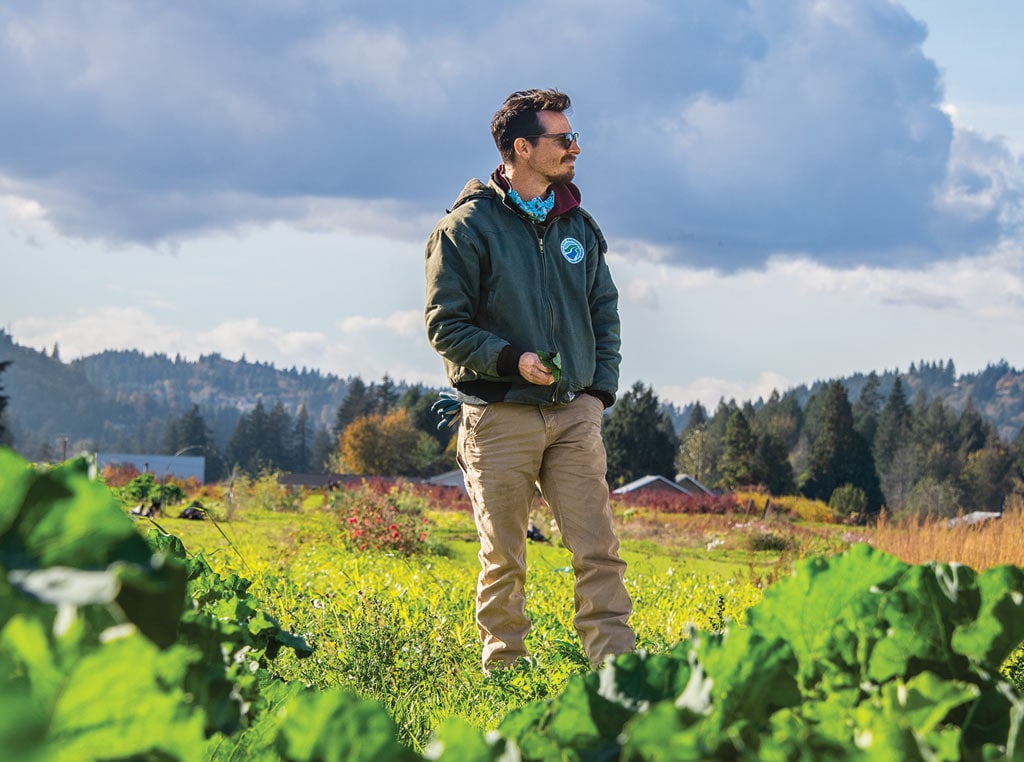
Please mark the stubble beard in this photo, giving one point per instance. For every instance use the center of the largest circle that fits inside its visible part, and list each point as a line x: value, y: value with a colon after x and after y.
x: 567, y: 173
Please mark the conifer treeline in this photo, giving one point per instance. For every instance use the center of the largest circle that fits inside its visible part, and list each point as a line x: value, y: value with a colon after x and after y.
x: 920, y: 456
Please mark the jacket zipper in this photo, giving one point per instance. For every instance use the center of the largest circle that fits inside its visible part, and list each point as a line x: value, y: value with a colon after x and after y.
x: 551, y: 309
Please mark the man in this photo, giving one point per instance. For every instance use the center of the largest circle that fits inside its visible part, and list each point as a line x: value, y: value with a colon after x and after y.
x: 514, y: 272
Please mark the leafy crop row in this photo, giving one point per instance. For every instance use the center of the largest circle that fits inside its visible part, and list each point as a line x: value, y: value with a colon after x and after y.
x: 115, y: 647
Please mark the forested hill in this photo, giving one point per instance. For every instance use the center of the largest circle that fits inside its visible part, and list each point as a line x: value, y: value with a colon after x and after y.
x: 122, y: 400
x: 997, y: 392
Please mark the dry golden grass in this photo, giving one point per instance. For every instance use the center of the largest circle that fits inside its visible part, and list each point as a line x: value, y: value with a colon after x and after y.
x: 981, y: 546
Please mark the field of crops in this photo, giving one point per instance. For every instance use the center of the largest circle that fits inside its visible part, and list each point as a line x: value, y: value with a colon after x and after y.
x: 340, y: 626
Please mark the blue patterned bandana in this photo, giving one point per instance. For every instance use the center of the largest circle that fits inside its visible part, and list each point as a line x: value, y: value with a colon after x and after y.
x: 536, y: 208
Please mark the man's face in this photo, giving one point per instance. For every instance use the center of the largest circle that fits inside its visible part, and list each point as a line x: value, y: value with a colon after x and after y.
x: 548, y: 157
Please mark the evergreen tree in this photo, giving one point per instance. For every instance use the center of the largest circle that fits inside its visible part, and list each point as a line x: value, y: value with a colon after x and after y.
x: 738, y: 467
x: 714, y: 442
x: 773, y: 466
x: 385, y: 396
x: 277, y: 443
x: 1018, y: 449
x: 987, y: 476
x: 5, y: 437
x: 247, y: 447
x: 321, y: 451
x: 301, y: 441
x: 193, y: 430
x: 639, y: 437
x: 839, y: 454
x: 356, y: 404
x: 189, y: 432
x: 972, y: 431
x: 867, y: 408
x: 934, y: 435
x: 781, y: 417
x: 894, y: 424
x: 697, y: 419
x: 172, y: 437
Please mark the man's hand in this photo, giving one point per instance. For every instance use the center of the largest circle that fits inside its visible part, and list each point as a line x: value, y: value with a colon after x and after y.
x: 532, y: 369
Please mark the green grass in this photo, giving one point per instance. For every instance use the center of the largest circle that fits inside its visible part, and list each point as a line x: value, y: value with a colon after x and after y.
x: 400, y: 629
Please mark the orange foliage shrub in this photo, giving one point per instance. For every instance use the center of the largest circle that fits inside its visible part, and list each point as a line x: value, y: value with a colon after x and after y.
x: 119, y: 474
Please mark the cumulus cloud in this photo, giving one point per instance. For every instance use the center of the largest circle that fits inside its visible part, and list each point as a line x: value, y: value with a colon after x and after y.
x: 97, y: 330
x: 404, y: 323
x: 714, y: 134
x: 111, y: 328
x: 710, y: 391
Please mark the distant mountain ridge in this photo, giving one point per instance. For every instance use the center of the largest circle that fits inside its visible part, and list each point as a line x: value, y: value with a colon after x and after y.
x: 121, y: 399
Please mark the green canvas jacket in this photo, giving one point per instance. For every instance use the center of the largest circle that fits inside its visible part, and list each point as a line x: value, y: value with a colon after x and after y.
x: 499, y: 285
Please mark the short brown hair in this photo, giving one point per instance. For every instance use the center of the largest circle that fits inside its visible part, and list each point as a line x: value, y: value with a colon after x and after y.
x: 517, y: 117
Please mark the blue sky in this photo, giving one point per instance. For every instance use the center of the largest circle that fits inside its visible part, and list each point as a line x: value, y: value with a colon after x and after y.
x: 792, y: 191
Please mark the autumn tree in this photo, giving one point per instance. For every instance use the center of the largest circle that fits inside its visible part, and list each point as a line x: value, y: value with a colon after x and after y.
x: 692, y: 458
x: 386, y: 445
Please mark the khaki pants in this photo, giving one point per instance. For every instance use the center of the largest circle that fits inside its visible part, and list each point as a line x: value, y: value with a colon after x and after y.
x: 505, y: 449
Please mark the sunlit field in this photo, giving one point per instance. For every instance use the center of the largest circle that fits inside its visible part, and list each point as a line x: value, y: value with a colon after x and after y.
x: 397, y: 625
x: 278, y: 624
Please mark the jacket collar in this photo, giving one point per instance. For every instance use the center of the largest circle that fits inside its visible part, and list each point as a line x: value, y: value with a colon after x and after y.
x: 567, y: 195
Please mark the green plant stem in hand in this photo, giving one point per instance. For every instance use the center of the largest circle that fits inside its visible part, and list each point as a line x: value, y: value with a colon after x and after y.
x: 552, y: 362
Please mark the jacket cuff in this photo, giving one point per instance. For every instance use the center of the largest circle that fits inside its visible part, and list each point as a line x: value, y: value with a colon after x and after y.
x: 606, y: 399
x: 508, y: 360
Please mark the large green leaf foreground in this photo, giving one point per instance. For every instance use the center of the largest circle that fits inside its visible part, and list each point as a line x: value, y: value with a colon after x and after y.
x: 115, y: 647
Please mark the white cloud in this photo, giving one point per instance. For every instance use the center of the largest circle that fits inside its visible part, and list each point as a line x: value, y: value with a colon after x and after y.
x: 235, y: 337
x: 709, y: 391
x: 404, y: 323
x: 387, y: 61
x: 96, y: 330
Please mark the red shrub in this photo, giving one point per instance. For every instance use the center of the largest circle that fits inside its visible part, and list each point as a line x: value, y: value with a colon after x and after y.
x: 677, y: 502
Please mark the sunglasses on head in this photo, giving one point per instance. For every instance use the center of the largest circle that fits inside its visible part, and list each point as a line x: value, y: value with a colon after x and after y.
x: 568, y: 138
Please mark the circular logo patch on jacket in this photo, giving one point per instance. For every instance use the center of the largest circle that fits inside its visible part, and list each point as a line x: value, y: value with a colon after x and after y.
x: 572, y: 250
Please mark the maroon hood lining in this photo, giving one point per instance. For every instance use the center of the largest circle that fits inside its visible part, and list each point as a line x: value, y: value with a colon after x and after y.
x: 567, y: 195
